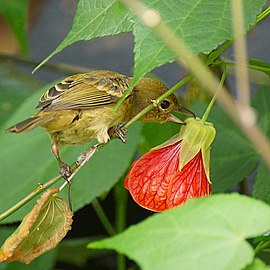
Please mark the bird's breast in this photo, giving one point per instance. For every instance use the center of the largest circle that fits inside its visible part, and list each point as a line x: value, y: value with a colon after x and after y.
x: 84, y: 126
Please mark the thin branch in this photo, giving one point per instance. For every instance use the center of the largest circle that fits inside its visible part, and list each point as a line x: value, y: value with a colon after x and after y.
x: 103, y: 217
x: 56, y: 67
x: 242, y: 79
x: 40, y: 188
x: 243, y: 117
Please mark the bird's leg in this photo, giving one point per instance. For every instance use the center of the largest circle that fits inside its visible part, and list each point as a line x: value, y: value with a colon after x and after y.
x: 119, y: 132
x: 65, y: 170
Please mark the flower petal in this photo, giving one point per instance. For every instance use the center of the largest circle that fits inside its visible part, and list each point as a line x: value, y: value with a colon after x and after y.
x: 156, y: 183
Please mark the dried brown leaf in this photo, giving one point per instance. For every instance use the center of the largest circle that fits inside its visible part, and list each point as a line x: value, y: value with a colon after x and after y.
x: 40, y: 230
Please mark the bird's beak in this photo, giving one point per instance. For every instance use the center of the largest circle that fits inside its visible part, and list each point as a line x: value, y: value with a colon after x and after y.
x: 174, y: 119
x: 186, y: 111
x: 182, y: 110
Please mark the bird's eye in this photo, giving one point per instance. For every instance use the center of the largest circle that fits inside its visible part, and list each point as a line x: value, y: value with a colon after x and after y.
x: 165, y: 104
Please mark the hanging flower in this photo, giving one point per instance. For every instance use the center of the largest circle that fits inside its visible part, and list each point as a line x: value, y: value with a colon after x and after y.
x: 175, y: 171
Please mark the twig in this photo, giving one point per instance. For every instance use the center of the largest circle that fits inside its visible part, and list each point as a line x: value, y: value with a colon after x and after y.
x: 244, y: 118
x: 30, y: 196
x: 103, y: 217
x: 242, y: 79
x: 57, y: 67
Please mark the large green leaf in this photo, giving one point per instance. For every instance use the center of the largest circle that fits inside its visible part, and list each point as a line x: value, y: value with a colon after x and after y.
x: 257, y: 264
x: 25, y: 160
x: 261, y: 188
x: 162, y: 133
x: 95, y: 18
x: 72, y: 251
x: 15, y: 12
x: 261, y: 102
x: 15, y: 86
x: 201, y: 24
x: 232, y: 157
x: 206, y: 233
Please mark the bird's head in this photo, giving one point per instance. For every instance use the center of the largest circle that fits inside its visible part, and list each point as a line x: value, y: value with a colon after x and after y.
x: 146, y: 92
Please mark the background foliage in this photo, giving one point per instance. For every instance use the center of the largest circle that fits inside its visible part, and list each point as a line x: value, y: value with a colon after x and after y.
x: 213, y: 225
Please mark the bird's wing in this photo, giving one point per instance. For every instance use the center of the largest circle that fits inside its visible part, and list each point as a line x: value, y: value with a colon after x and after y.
x: 85, y: 91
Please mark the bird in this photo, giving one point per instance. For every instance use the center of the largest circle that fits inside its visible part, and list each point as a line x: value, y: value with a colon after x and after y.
x: 81, y: 108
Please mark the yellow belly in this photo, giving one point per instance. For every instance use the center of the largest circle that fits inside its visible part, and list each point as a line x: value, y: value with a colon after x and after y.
x: 79, y: 127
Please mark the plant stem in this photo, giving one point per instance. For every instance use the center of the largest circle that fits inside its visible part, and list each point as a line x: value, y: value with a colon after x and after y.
x: 56, y: 67
x: 240, y: 49
x: 211, y: 103
x: 103, y: 217
x: 121, y: 197
x: 30, y: 196
x: 261, y: 246
x: 262, y: 16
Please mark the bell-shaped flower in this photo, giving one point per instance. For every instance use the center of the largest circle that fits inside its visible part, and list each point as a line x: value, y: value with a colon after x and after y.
x: 179, y: 169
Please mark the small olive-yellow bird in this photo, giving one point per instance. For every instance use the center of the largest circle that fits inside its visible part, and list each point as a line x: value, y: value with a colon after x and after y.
x: 81, y: 108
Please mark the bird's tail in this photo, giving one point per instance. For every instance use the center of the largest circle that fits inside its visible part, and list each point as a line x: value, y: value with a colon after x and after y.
x: 28, y: 124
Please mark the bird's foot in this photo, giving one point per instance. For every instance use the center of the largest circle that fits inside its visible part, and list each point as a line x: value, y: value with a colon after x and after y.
x: 119, y: 132
x: 66, y: 172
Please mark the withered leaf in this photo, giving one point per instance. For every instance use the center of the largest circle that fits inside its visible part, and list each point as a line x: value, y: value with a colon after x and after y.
x: 40, y: 230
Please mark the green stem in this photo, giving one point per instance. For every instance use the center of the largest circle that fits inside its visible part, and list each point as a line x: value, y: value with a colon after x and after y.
x: 261, y: 247
x: 257, y: 68
x: 40, y: 188
x: 121, y: 197
x: 57, y: 67
x: 211, y: 103
x: 103, y: 217
x: 262, y: 16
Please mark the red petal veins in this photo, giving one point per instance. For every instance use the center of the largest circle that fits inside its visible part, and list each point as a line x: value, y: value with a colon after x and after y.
x: 156, y: 183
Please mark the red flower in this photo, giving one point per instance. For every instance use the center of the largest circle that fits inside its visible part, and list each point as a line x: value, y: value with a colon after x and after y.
x: 159, y: 180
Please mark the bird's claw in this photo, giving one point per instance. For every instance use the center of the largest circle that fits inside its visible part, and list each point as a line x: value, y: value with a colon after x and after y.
x: 119, y: 132
x: 66, y: 172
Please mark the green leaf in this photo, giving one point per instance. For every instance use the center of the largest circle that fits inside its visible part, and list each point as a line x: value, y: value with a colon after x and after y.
x: 15, y: 86
x: 257, y: 264
x: 93, y: 19
x: 162, y: 133
x: 15, y: 12
x: 206, y: 233
x: 201, y: 24
x: 261, y: 189
x: 47, y: 261
x: 73, y: 251
x: 261, y: 102
x: 30, y: 152
x: 232, y: 157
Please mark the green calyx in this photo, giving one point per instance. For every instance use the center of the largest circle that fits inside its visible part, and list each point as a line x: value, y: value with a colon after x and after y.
x: 196, y: 136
